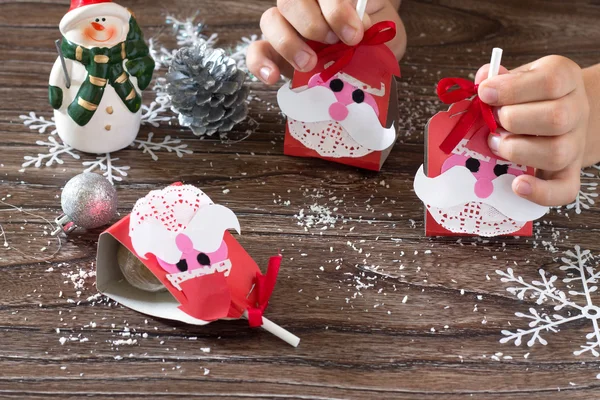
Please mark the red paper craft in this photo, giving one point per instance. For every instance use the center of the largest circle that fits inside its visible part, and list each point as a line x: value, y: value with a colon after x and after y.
x: 345, y: 109
x: 465, y: 187
x: 183, y: 239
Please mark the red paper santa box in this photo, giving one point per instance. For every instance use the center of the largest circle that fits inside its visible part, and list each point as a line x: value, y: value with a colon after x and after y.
x: 345, y: 109
x: 467, y: 190
x: 182, y: 237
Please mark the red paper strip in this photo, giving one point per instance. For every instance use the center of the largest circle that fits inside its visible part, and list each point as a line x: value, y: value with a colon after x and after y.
x: 265, y: 284
x: 476, y: 110
x: 380, y: 33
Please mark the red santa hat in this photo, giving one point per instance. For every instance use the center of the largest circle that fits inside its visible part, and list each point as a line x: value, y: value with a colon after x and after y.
x: 91, y: 9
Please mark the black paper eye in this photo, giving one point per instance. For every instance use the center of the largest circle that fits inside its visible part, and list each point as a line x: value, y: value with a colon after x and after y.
x: 182, y: 265
x: 203, y: 259
x: 358, y: 96
x: 500, y: 169
x: 473, y: 165
x: 336, y: 85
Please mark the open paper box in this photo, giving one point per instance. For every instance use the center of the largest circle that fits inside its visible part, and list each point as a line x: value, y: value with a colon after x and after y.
x: 183, y: 239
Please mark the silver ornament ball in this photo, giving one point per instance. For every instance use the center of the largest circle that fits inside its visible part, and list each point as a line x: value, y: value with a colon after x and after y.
x: 89, y: 200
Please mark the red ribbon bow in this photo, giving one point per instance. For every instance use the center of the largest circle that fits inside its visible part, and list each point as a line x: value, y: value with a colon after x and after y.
x: 380, y: 33
x: 476, y: 109
x: 264, y: 285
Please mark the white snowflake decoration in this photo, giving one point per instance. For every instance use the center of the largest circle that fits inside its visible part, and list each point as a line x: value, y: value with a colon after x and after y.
x: 152, y: 114
x: 585, y: 198
x: 581, y: 271
x: 240, y: 51
x: 39, y: 124
x: 106, y: 164
x: 55, y: 150
x: 169, y: 144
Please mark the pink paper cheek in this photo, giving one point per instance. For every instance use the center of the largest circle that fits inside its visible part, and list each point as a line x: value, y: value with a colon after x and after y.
x: 515, y: 172
x: 315, y: 80
x: 453, y: 161
x: 220, y: 255
x: 192, y: 260
x: 170, y: 268
x: 486, y: 170
x: 484, y: 188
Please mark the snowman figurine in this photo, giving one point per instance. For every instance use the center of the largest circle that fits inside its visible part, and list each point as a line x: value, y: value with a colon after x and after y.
x: 108, y: 64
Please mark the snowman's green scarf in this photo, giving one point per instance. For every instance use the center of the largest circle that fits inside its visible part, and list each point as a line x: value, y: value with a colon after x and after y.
x: 105, y: 66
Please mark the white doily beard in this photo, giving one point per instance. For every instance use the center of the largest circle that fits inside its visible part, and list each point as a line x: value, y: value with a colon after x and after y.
x: 475, y: 218
x: 327, y: 138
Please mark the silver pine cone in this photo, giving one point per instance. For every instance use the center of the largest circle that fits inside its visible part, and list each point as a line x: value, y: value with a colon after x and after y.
x: 207, y: 90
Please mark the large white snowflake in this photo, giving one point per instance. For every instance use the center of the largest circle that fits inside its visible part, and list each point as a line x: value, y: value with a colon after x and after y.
x: 580, y: 281
x: 154, y: 115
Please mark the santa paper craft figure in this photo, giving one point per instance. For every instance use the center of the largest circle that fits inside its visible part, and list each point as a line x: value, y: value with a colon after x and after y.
x: 183, y: 238
x: 469, y: 191
x: 345, y: 109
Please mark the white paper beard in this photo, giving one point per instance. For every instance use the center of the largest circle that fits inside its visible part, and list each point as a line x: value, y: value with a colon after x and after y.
x: 311, y: 105
x: 456, y: 187
x: 327, y: 138
x: 450, y: 199
x: 475, y: 218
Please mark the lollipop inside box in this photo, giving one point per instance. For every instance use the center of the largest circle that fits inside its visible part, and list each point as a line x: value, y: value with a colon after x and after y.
x: 173, y: 257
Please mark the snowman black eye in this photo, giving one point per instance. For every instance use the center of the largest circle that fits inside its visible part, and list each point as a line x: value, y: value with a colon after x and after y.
x: 336, y: 85
x: 182, y: 265
x: 103, y: 19
x: 358, y: 96
x: 203, y: 259
x: 473, y: 165
x: 97, y: 19
x: 500, y: 169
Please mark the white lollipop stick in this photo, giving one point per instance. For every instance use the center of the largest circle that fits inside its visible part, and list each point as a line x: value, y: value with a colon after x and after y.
x: 361, y: 6
x: 278, y: 331
x: 495, y: 62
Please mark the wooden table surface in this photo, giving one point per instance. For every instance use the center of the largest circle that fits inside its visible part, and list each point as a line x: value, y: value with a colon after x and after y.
x: 383, y: 312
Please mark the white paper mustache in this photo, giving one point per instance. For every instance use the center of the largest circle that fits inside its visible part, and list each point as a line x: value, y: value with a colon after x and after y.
x: 312, y: 105
x: 457, y: 186
x: 206, y: 230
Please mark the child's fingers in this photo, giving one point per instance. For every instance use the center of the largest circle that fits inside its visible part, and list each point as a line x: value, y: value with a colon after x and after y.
x: 546, y: 153
x: 286, y: 41
x: 548, y: 78
x: 265, y: 63
x: 305, y: 16
x: 482, y: 73
x: 546, y: 118
x: 343, y: 19
x: 561, y: 189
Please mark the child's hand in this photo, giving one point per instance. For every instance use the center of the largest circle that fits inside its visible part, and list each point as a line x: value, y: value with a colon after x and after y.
x: 544, y: 110
x: 286, y: 27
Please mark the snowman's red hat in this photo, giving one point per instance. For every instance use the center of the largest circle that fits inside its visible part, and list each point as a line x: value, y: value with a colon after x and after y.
x: 90, y: 9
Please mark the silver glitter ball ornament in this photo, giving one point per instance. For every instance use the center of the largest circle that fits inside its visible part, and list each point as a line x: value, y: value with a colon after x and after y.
x: 88, y: 201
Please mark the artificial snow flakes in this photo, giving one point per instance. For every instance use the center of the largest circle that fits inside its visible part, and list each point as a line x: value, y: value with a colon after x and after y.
x: 581, y: 278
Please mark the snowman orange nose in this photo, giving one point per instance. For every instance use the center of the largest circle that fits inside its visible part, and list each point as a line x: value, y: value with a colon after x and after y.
x: 97, y: 26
